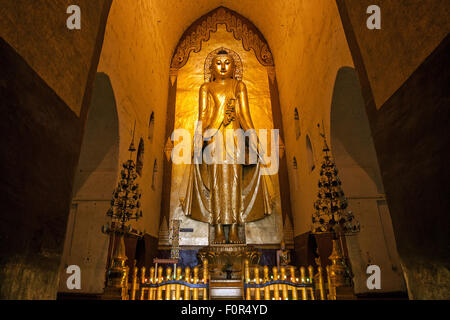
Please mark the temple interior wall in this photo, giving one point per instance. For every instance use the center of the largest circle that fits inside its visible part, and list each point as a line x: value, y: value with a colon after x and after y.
x: 400, y: 70
x: 47, y: 76
x: 310, y: 40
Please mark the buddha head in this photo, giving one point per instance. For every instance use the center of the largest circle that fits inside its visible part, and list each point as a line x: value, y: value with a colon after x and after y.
x: 222, y: 66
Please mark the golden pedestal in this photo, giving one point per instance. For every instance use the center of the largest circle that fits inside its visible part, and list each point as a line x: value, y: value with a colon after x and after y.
x: 226, y: 261
x: 117, y: 273
x: 117, y: 270
x: 339, y: 275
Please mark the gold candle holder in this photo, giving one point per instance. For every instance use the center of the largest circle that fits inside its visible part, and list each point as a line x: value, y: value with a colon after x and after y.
x: 247, y: 280
x: 319, y: 280
x: 276, y: 292
x: 303, y: 280
x: 195, y: 295
x: 294, y: 280
x: 205, y: 278
x: 134, y: 283
x: 142, y: 282
x: 151, y: 294
x: 257, y: 280
x: 292, y: 274
x: 310, y: 281
x: 124, y: 290
x: 187, y: 290
x: 168, y: 286
x: 331, y: 288
x: 284, y: 288
x: 266, y: 279
x: 160, y: 280
x: 178, y: 286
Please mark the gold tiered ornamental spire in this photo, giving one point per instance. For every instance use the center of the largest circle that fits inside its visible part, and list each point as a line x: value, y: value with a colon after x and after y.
x: 126, y: 201
x: 125, y: 206
x: 331, y: 215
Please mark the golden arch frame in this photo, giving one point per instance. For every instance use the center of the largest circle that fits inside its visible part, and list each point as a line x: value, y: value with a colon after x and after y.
x: 191, y: 41
x: 242, y: 29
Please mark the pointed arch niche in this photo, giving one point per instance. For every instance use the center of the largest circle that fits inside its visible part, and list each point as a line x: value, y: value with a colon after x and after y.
x: 354, y: 152
x: 295, y: 172
x: 297, y: 124
x: 221, y: 28
x: 151, y: 127
x: 95, y: 178
x: 310, y: 154
x: 140, y: 157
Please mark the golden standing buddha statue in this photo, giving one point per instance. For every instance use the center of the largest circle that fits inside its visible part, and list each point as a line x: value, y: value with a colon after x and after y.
x: 221, y: 193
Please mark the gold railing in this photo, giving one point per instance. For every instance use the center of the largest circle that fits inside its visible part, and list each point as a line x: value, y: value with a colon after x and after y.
x: 178, y: 286
x: 286, y: 284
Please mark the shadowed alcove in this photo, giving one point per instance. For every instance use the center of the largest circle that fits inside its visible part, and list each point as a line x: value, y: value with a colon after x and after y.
x: 354, y: 152
x: 95, y: 179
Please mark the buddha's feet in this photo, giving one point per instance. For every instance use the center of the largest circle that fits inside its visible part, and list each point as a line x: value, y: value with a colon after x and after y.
x: 234, y: 234
x: 234, y: 238
x: 220, y: 239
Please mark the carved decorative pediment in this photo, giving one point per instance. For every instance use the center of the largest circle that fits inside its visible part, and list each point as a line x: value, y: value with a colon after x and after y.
x: 242, y: 30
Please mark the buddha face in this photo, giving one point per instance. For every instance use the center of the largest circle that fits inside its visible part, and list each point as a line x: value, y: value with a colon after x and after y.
x: 222, y: 67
